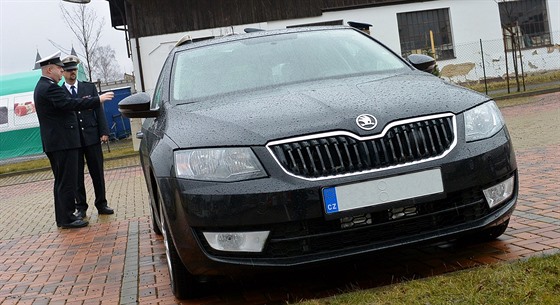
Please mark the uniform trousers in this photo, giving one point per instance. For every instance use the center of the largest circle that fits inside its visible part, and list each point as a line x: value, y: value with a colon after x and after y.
x: 64, y: 164
x: 94, y: 158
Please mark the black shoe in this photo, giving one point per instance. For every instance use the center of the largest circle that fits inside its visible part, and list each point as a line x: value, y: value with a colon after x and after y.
x: 80, y: 214
x: 75, y: 224
x: 105, y: 210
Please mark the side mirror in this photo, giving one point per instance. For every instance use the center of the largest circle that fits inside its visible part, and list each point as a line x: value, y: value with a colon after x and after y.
x: 422, y: 62
x: 137, y: 106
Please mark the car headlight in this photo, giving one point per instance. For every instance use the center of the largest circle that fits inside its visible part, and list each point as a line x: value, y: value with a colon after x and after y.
x: 218, y: 164
x: 483, y: 121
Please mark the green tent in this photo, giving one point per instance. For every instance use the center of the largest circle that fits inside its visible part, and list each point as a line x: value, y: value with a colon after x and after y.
x: 19, y: 126
x: 19, y: 82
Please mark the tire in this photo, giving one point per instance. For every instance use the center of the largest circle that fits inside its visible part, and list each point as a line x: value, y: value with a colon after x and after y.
x: 494, y: 232
x: 183, y: 284
x: 155, y: 226
x: 153, y: 207
x: 488, y: 234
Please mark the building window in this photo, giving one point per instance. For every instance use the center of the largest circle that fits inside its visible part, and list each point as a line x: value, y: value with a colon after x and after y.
x: 525, y: 22
x: 415, y: 37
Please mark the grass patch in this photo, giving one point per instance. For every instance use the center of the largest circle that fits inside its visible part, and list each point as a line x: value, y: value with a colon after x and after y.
x: 120, y: 152
x: 514, y: 101
x: 25, y: 165
x: 42, y: 162
x: 532, y: 281
x: 530, y: 79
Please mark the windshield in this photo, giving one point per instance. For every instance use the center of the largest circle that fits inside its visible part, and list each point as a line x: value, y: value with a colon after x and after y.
x: 276, y: 60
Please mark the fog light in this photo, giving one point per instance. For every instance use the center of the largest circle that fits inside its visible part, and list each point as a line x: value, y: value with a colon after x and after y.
x: 237, y: 241
x: 499, y: 192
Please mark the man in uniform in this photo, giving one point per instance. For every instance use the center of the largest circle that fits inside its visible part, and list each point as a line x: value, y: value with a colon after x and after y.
x: 93, y: 128
x: 58, y: 126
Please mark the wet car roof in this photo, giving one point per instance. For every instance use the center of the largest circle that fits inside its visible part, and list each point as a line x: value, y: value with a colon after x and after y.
x: 240, y: 36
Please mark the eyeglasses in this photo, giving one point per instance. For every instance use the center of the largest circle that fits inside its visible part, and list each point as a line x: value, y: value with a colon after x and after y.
x: 70, y: 70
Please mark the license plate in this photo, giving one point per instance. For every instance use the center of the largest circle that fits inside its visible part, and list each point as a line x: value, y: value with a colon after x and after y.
x: 380, y: 191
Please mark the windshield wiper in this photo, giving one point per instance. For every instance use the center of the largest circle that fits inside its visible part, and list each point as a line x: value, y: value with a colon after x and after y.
x: 186, y: 103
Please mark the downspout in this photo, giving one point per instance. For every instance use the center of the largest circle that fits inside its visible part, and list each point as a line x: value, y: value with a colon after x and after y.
x: 140, y: 69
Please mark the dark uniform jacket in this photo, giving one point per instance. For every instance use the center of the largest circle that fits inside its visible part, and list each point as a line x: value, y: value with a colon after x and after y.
x: 93, y: 123
x: 58, y: 122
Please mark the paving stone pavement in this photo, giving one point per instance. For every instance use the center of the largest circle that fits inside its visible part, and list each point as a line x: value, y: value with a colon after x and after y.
x: 117, y: 259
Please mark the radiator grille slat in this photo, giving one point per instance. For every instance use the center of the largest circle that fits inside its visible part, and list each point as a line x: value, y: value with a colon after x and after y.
x: 332, y: 155
x: 437, y: 133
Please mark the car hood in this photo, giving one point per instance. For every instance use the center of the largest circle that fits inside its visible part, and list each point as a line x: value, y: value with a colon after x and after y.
x: 256, y: 118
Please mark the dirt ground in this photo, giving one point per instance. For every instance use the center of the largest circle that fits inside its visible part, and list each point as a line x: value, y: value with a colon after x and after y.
x: 544, y: 118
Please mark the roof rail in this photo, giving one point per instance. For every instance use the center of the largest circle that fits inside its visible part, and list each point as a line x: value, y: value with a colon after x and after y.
x: 183, y: 40
x: 251, y: 30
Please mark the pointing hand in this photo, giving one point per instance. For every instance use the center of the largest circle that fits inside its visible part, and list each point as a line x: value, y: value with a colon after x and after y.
x: 107, y: 96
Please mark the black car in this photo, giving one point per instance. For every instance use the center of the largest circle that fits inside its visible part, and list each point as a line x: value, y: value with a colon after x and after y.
x: 284, y: 148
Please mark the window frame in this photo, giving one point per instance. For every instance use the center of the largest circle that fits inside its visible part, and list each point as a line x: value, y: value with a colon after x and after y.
x: 409, y: 25
x: 530, y: 35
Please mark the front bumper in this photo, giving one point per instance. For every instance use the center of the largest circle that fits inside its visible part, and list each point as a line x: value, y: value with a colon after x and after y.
x: 300, y: 233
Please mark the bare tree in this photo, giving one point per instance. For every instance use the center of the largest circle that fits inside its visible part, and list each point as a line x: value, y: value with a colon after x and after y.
x: 511, y: 34
x: 86, y: 26
x: 106, y: 68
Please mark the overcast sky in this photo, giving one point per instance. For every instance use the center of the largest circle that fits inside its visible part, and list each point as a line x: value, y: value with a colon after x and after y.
x: 27, y: 25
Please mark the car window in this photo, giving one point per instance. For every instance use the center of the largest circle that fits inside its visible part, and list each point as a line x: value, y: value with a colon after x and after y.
x: 276, y: 60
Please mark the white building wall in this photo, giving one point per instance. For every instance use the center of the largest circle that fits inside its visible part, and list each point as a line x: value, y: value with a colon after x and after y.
x: 554, y: 15
x: 471, y: 21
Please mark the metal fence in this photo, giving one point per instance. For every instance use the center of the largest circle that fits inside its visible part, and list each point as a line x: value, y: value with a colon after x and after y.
x: 489, y: 60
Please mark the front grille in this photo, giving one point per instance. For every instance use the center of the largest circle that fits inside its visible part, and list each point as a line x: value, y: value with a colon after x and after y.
x: 340, y: 153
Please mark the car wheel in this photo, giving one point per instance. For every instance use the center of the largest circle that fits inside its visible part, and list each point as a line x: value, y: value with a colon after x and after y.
x: 495, y: 232
x: 183, y: 283
x: 488, y: 234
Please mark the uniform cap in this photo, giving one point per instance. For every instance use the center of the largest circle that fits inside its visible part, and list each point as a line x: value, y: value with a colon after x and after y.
x: 53, y: 59
x: 70, y: 62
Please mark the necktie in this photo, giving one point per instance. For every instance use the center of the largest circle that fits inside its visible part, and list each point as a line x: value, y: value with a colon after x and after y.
x: 73, y: 89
